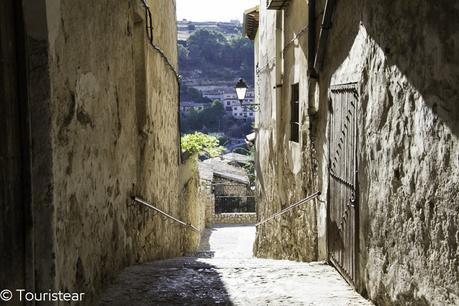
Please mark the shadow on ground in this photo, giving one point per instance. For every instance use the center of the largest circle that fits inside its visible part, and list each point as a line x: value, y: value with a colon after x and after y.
x: 183, y: 281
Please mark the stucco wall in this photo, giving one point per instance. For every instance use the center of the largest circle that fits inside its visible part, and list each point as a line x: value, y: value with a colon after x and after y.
x: 283, y: 167
x: 107, y: 144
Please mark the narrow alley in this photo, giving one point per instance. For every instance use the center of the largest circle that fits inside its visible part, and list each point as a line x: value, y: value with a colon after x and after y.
x: 224, y: 272
x: 232, y: 152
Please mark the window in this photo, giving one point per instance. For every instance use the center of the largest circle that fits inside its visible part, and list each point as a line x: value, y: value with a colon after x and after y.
x: 228, y: 103
x: 295, y: 113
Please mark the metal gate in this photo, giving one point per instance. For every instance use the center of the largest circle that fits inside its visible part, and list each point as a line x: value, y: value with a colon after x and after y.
x: 343, y: 190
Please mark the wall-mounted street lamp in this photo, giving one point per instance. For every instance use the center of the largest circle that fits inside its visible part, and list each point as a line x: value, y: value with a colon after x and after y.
x: 241, y: 90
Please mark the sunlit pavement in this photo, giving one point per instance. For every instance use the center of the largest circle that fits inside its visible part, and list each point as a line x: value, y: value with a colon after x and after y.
x: 224, y: 272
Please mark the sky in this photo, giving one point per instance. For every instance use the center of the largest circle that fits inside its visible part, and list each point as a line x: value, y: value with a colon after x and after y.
x: 213, y: 10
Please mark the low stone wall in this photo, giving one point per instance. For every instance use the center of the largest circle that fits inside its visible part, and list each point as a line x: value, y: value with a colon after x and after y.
x: 235, y: 218
x: 193, y: 209
x: 209, y: 202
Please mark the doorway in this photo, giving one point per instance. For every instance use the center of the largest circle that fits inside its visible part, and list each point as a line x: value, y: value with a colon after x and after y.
x: 343, y: 185
x: 14, y: 144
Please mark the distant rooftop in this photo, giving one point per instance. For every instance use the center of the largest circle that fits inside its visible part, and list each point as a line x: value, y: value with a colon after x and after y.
x: 219, y: 166
x: 239, y: 158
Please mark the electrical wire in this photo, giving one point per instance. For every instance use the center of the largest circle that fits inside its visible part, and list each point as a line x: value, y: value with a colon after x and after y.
x: 156, y: 47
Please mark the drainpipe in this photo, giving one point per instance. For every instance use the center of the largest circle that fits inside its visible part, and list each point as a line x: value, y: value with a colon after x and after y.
x: 311, y: 38
x: 179, y: 123
x: 312, y: 73
x: 324, y: 31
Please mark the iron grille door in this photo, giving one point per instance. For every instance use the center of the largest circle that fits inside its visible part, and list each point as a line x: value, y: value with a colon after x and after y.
x: 342, y: 197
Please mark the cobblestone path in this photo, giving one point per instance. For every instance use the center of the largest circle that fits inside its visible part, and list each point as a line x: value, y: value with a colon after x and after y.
x: 224, y: 272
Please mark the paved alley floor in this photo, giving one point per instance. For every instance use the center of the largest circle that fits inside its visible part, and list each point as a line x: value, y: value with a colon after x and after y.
x: 224, y: 272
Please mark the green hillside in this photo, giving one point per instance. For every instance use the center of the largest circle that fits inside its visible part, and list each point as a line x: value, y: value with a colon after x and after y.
x: 215, y: 56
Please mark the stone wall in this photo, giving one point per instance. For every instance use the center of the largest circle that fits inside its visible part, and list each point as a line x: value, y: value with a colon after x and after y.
x: 408, y: 144
x: 235, y: 218
x: 400, y: 56
x: 194, y: 208
x: 106, y: 130
x: 231, y: 195
x: 207, y: 198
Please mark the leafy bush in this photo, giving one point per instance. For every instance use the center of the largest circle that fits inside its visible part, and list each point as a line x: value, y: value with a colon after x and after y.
x: 202, y: 144
x: 250, y: 167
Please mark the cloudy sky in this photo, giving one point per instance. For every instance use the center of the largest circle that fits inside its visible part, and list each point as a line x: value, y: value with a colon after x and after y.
x: 213, y: 10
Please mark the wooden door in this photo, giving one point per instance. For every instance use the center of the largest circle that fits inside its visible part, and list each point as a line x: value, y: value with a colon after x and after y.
x: 343, y: 189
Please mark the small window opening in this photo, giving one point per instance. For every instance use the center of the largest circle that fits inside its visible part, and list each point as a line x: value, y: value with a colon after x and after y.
x: 295, y: 114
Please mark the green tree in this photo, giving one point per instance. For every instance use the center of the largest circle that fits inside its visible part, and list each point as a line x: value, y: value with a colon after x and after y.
x: 211, y: 119
x: 183, y: 55
x: 206, y: 46
x: 250, y: 166
x: 191, y: 27
x: 192, y: 94
x: 214, y: 55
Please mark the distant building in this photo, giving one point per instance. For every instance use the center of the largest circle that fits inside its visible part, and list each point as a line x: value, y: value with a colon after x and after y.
x: 217, y: 134
x: 243, y: 113
x: 230, y: 184
x: 186, y: 106
x: 213, y: 95
x: 233, y: 106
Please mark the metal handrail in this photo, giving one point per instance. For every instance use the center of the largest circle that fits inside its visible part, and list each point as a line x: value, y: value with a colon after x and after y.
x: 283, y: 211
x: 140, y: 201
x: 235, y: 196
